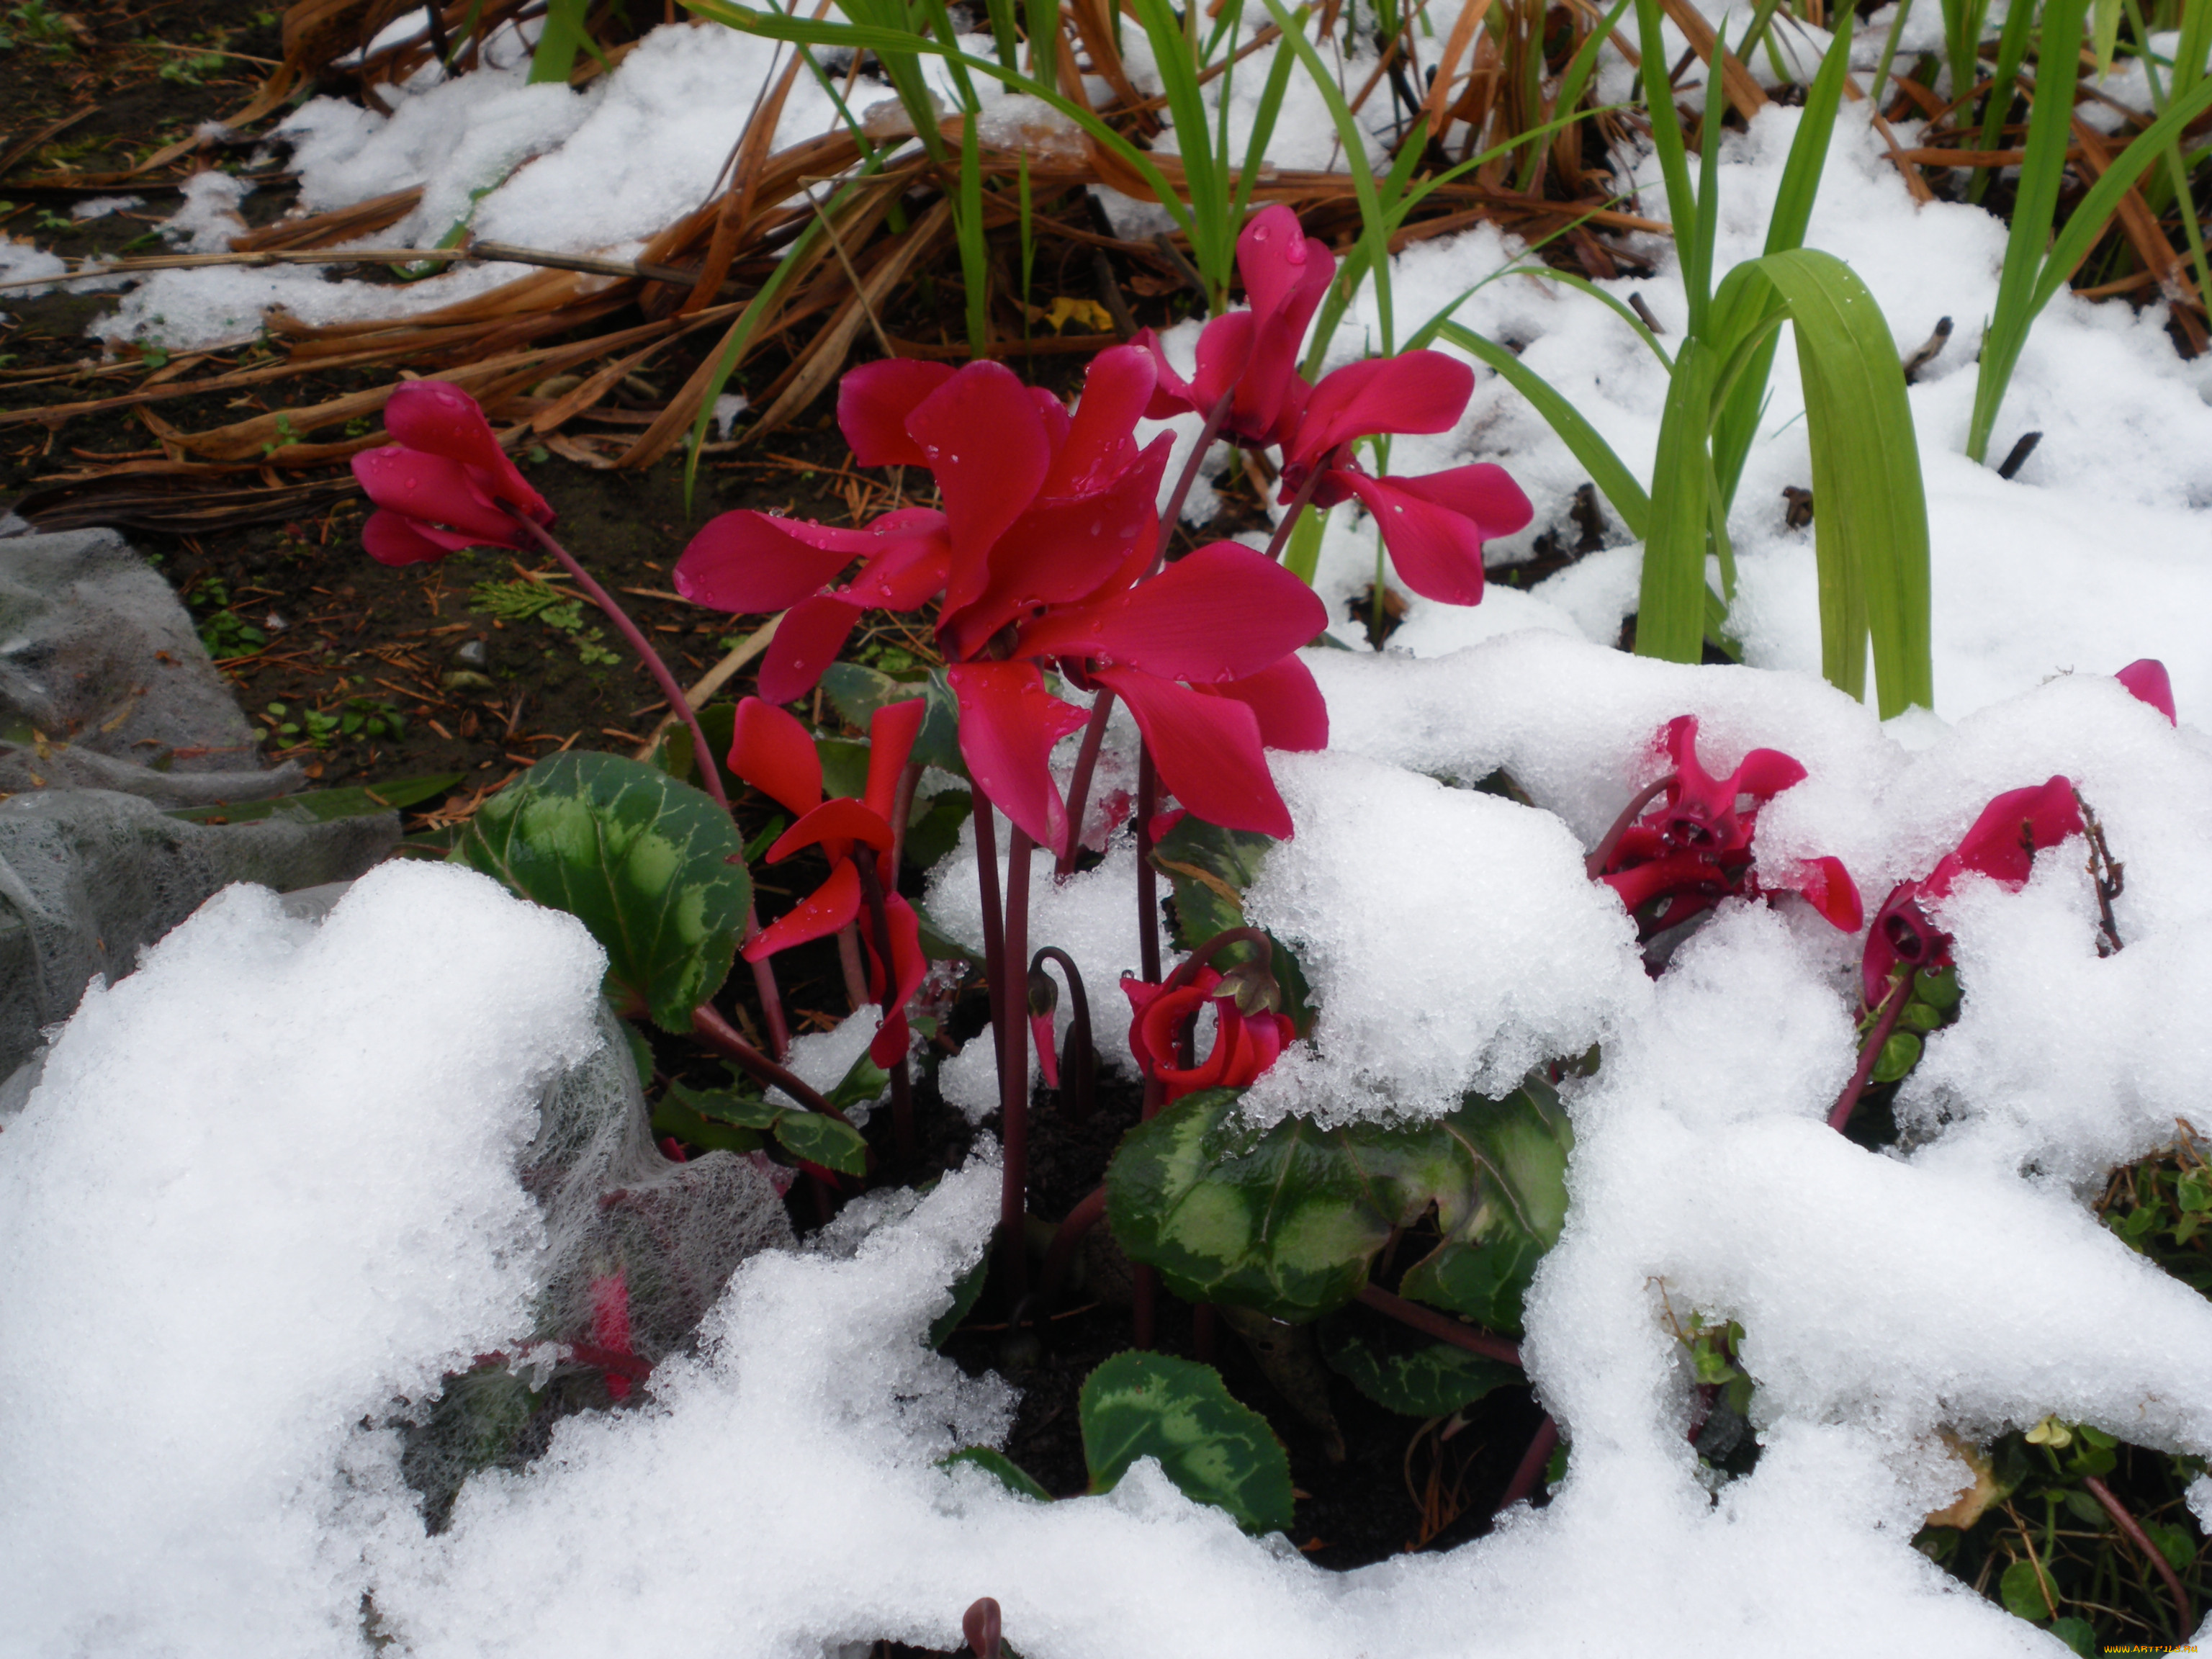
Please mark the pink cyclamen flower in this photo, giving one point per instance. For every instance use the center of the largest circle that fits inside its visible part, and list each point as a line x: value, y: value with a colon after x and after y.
x: 2001, y: 845
x: 1693, y: 848
x: 772, y: 752
x: 1244, y: 1045
x: 443, y: 482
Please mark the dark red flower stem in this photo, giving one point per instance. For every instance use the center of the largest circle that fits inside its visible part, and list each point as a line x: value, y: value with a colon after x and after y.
x: 872, y: 894
x: 1295, y: 511
x: 1171, y: 514
x: 1010, y: 1018
x: 1148, y: 890
x: 702, y: 754
x: 1442, y: 1326
x: 1601, y: 854
x: 1078, y: 1064
x: 718, y: 1033
x: 709, y: 776
x: 1187, y: 970
x: 1078, y: 783
x: 1532, y: 1466
x: 2183, y: 1612
x: 1088, y: 1212
x: 1869, y: 1052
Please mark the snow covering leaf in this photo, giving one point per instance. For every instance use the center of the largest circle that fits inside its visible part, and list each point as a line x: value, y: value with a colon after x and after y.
x: 651, y: 866
x: 1011, y: 1474
x: 1288, y: 1219
x: 1216, y: 1451
x: 1210, y: 867
x: 1433, y: 1381
x: 964, y: 1293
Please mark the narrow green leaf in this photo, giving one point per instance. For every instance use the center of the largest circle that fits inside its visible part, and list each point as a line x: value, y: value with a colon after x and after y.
x: 1670, y: 613
x: 1216, y: 1451
x: 968, y: 229
x: 1009, y: 1473
x: 554, y: 58
x: 323, y: 805
x: 1674, y: 158
x: 651, y: 866
x: 1606, y: 469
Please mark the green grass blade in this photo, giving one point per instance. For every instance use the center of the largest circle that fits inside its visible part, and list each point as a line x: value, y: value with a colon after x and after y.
x: 2189, y: 56
x: 1212, y: 237
x: 1607, y: 471
x: 1574, y: 77
x: 554, y: 58
x: 1871, y: 528
x: 882, y: 40
x: 1888, y: 52
x: 1793, y: 213
x: 1270, y: 108
x: 2048, y: 127
x: 1674, y: 158
x: 1044, y: 40
x: 1670, y: 610
x: 1374, y: 233
x: 2012, y: 52
x: 967, y: 230
x: 2087, y: 223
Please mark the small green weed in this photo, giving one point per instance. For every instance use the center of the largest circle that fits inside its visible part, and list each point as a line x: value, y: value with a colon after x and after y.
x: 37, y: 24
x: 526, y: 599
x: 228, y: 635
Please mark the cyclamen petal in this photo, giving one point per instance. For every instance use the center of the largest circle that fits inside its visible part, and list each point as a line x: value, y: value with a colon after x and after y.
x: 1207, y: 750
x: 892, y: 731
x: 438, y: 418
x: 819, y: 914
x: 772, y: 752
x: 749, y: 560
x: 909, y: 968
x: 2146, y: 680
x: 2010, y: 831
x: 873, y: 401
x: 807, y: 640
x: 1436, y: 550
x: 1100, y: 444
x: 1008, y: 725
x: 438, y: 494
x: 981, y: 435
x: 393, y: 538
x: 839, y: 819
x: 1291, y: 711
x: 1223, y: 612
x: 1413, y: 392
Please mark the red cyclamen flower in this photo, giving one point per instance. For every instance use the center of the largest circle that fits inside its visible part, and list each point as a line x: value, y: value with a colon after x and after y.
x: 2147, y: 682
x: 1693, y: 848
x: 773, y: 752
x: 2001, y: 845
x: 1244, y: 1045
x: 1042, y: 554
x: 443, y: 483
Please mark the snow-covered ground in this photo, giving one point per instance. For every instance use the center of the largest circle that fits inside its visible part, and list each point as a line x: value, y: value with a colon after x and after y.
x: 267, y: 1186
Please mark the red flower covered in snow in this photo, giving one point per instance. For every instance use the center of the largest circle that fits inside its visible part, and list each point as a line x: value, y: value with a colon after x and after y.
x: 772, y: 752
x: 2147, y: 682
x: 2001, y: 845
x: 1043, y: 553
x: 1693, y: 848
x: 443, y: 483
x: 1244, y: 1045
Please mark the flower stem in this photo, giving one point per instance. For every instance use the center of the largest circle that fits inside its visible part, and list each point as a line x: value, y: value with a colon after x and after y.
x: 1148, y: 890
x: 702, y: 756
x: 1869, y: 1051
x: 1089, y: 1212
x: 1206, y: 434
x: 1078, y: 784
x: 871, y: 894
x: 1532, y: 1462
x: 1009, y: 1015
x: 1442, y: 1327
x: 1078, y: 1066
x: 2128, y: 1524
x: 1601, y: 854
x: 710, y: 777
x: 1297, y: 506
x: 721, y: 1034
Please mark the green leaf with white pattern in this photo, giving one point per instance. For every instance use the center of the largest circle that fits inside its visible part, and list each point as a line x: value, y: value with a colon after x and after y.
x: 1288, y: 1219
x: 804, y: 1134
x: 1009, y: 1474
x: 1433, y: 1380
x: 652, y: 867
x: 1216, y: 1451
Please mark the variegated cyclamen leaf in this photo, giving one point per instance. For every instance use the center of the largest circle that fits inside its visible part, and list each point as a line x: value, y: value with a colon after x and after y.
x: 1009, y: 1474
x: 1216, y: 1451
x: 1432, y: 1381
x: 1288, y: 1219
x: 651, y: 866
